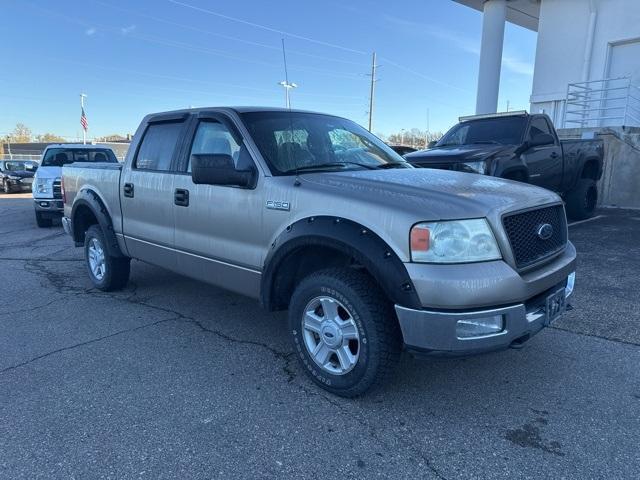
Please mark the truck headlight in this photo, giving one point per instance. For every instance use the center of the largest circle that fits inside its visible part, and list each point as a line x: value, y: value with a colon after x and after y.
x: 474, y: 167
x: 458, y: 241
x: 44, y: 185
x: 14, y: 177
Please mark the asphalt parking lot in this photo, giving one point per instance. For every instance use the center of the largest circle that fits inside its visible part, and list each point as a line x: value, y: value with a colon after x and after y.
x: 172, y: 378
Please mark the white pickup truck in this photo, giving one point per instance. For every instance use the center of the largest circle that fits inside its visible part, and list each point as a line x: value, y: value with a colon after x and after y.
x: 312, y: 213
x: 47, y: 196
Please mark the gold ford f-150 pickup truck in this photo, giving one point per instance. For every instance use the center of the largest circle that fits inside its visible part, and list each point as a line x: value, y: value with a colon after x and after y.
x: 312, y: 213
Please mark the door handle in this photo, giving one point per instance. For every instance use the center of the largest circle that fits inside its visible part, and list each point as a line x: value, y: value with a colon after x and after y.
x: 181, y: 197
x: 553, y: 155
x: 128, y: 190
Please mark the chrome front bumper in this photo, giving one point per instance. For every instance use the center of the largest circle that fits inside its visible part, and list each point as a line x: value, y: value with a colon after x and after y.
x: 435, y: 332
x: 54, y: 206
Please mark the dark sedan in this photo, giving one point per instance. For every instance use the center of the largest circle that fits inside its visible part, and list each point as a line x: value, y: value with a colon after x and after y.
x: 17, y: 175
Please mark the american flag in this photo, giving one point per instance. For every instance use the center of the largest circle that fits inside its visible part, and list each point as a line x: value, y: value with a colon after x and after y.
x: 83, y: 121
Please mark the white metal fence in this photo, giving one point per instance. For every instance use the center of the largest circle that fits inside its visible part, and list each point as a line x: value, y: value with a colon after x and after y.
x: 20, y: 156
x: 602, y: 103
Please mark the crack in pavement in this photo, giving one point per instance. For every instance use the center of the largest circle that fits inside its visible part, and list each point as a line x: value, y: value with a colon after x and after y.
x: 592, y: 335
x: 30, y: 309
x: 287, y: 358
x: 81, y: 344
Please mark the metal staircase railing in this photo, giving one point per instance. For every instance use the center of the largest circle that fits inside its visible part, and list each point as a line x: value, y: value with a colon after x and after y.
x: 602, y: 103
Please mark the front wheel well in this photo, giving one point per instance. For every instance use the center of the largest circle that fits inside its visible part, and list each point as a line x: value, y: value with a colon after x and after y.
x: 302, y: 262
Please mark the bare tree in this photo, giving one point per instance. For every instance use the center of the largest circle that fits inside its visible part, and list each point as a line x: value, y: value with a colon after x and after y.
x: 49, y: 138
x: 20, y: 134
x: 414, y: 137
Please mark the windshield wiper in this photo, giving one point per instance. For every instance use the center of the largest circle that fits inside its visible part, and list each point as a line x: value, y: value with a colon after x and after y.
x: 393, y: 165
x: 485, y: 141
x: 320, y: 166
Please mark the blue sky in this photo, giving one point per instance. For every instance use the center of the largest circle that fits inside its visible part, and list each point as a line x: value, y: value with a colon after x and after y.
x: 137, y: 57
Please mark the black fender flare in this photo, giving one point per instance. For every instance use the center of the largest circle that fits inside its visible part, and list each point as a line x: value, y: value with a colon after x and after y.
x: 350, y: 238
x: 89, y: 199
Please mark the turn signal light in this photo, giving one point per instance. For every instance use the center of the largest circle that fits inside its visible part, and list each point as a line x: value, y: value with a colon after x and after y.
x: 419, y: 239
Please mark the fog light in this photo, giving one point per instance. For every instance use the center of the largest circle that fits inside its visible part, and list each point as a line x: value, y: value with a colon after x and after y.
x: 44, y: 204
x: 478, y: 327
x: 571, y: 281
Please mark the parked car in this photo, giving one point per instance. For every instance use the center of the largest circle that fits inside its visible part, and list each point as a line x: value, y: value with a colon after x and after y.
x: 522, y: 147
x: 402, y: 149
x: 17, y: 175
x: 312, y: 213
x: 47, y: 194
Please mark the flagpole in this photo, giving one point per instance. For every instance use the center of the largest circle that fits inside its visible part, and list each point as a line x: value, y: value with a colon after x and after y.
x: 84, y: 131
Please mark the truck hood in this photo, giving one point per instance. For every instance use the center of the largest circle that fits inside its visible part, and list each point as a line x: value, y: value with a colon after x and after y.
x: 456, y: 154
x: 49, y: 172
x: 431, y: 194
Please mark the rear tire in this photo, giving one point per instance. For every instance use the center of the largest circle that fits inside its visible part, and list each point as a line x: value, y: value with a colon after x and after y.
x: 344, y: 316
x: 583, y: 199
x: 107, y: 272
x: 42, y: 221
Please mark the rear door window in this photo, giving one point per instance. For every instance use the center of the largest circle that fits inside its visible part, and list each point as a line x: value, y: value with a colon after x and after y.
x: 158, y: 146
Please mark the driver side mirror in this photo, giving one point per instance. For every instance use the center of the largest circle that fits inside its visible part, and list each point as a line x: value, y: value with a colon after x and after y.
x: 220, y: 169
x: 432, y: 143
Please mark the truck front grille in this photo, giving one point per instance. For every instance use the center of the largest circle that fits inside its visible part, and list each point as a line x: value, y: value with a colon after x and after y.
x: 57, y: 190
x: 523, y: 230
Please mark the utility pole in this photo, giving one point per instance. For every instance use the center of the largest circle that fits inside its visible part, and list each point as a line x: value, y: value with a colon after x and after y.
x: 373, y: 89
x: 508, y: 105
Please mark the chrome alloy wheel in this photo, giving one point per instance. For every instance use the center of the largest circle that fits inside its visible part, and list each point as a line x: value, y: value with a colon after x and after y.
x: 331, y: 335
x: 97, y: 261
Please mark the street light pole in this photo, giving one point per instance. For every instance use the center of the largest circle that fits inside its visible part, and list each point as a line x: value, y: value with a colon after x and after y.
x: 287, y: 86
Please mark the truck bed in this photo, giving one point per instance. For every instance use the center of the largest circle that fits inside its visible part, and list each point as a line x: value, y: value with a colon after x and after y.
x: 103, y: 177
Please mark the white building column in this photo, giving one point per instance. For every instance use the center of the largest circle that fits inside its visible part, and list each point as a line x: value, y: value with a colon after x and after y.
x: 493, y: 21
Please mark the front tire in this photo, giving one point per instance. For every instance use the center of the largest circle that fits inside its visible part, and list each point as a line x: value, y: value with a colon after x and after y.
x: 107, y: 273
x: 6, y: 187
x: 583, y: 199
x: 344, y: 331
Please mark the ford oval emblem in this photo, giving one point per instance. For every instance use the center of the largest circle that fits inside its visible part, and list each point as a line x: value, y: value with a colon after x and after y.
x: 545, y: 231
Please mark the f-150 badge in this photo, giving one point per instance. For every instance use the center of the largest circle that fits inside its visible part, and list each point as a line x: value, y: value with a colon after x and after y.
x: 276, y: 205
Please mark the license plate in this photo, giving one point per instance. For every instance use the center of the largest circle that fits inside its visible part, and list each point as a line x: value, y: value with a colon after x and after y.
x: 28, y: 180
x: 556, y: 304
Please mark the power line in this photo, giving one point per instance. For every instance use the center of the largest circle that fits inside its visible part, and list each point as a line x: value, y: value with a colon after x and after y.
x: 267, y: 28
x: 227, y: 37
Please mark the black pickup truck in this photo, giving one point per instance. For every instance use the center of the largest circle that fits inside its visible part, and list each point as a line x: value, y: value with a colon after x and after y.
x: 522, y: 147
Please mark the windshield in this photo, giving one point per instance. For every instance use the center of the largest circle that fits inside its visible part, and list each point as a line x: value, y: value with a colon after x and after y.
x: 19, y: 166
x: 57, y: 157
x: 294, y: 141
x: 501, y: 130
